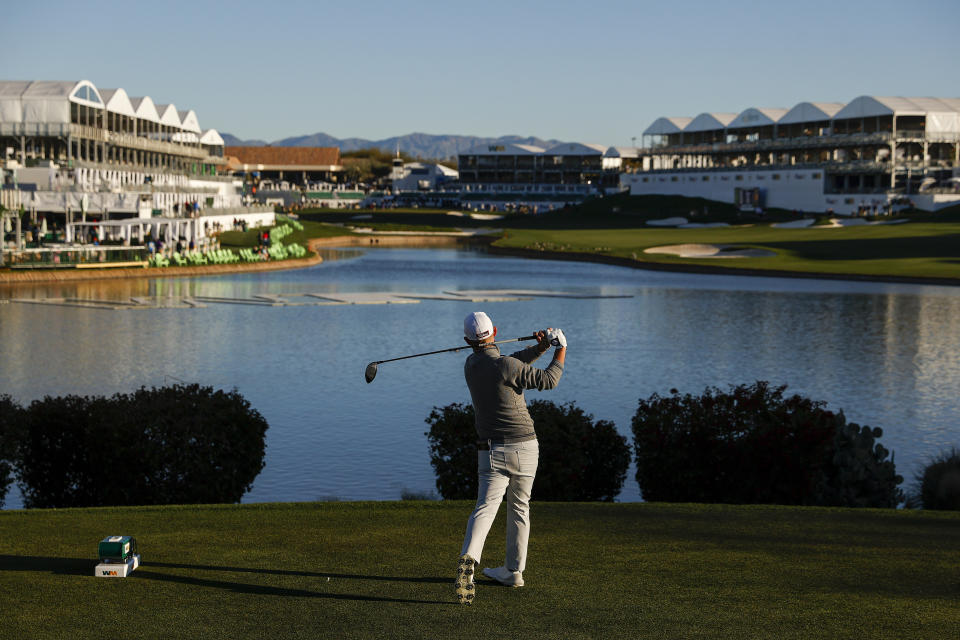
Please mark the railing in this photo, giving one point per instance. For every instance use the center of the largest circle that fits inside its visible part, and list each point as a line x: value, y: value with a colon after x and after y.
x: 832, y: 165
x: 135, y: 142
x: 76, y: 257
x: 835, y: 140
x: 235, y: 211
x: 136, y: 168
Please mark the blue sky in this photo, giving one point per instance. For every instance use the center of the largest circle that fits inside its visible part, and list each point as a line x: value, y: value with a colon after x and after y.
x: 598, y: 71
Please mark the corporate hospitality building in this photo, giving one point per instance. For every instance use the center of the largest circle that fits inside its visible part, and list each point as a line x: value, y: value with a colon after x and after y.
x: 85, y: 159
x: 847, y: 158
x: 529, y: 175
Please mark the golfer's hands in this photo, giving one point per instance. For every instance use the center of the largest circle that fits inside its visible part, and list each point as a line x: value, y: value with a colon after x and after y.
x: 543, y: 342
x: 556, y: 338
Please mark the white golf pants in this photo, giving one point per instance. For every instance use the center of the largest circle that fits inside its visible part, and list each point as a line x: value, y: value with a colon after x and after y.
x: 506, y: 469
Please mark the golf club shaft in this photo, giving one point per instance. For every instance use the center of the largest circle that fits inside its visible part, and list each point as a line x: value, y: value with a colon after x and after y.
x: 466, y: 346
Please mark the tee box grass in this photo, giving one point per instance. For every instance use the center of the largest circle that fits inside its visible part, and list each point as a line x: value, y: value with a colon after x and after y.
x: 386, y: 570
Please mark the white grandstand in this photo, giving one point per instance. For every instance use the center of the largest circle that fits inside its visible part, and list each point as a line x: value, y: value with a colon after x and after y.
x: 865, y: 155
x: 72, y: 153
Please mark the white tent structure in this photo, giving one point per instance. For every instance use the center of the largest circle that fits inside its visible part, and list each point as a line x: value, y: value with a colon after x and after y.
x: 664, y: 131
x: 503, y: 150
x: 168, y: 115
x: 810, y: 112
x: 145, y: 109
x: 709, y: 122
x: 188, y: 121
x: 816, y: 156
x: 575, y: 149
x: 117, y: 101
x: 753, y: 118
x: 45, y: 102
x: 212, y: 138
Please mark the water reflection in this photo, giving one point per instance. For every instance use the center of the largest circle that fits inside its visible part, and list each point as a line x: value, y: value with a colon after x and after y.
x: 884, y: 354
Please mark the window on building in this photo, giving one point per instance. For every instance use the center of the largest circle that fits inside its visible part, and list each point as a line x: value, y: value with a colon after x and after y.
x: 816, y: 176
x: 776, y: 176
x: 738, y: 178
x: 673, y: 178
x: 705, y: 178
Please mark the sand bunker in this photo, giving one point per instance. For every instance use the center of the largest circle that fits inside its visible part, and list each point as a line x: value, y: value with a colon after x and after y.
x: 667, y: 222
x: 710, y: 251
x: 793, y: 224
x: 835, y: 223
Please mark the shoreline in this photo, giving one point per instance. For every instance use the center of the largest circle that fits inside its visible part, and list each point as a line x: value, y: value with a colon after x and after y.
x: 440, y: 240
x: 715, y: 269
x: 55, y: 276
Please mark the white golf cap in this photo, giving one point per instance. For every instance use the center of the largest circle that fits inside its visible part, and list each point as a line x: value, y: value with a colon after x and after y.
x: 477, y: 326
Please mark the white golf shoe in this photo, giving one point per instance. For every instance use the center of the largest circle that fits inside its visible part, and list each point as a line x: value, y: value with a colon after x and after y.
x: 466, y: 589
x: 505, y: 576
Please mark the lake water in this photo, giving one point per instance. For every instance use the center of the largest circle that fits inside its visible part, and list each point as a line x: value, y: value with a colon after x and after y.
x: 884, y: 354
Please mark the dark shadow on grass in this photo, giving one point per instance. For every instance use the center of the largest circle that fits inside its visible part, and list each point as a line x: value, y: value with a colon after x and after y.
x: 304, y: 574
x: 84, y: 567
x: 58, y: 566
x: 943, y: 247
x: 264, y: 590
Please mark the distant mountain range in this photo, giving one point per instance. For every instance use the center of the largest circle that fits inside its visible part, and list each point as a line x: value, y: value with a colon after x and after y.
x: 420, y: 145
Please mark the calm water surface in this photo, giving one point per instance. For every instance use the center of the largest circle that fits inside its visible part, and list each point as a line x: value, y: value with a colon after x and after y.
x: 884, y: 354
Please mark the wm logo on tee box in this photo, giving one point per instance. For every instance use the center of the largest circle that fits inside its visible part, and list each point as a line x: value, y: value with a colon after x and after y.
x: 118, y: 557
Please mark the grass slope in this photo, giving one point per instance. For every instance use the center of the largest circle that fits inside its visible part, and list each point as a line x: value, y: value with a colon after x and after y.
x: 924, y: 249
x: 385, y: 570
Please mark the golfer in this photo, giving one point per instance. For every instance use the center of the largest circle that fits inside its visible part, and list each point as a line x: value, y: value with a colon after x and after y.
x: 507, y: 450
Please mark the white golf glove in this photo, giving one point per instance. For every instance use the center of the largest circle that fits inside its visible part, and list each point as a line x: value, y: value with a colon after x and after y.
x: 556, y: 338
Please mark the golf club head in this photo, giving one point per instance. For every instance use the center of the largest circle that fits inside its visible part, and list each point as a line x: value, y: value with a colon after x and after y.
x: 371, y: 372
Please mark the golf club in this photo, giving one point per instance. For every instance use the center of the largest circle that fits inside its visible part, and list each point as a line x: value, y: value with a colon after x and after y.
x: 371, y: 371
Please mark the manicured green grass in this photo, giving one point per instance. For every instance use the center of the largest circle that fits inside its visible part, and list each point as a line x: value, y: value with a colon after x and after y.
x: 385, y: 570
x: 923, y: 249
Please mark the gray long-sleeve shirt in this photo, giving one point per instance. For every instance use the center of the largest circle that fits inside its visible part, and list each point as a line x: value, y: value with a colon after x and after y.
x: 496, y: 385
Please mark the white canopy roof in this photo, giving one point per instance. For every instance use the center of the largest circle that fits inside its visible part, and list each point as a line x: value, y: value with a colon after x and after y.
x: 117, y: 101
x: 503, y: 150
x: 44, y: 101
x: 710, y: 122
x: 870, y: 106
x: 756, y: 117
x: 188, y: 121
x: 942, y: 114
x: 665, y: 126
x: 811, y: 112
x: 212, y: 138
x: 168, y: 115
x: 621, y: 152
x: 145, y: 109
x: 11, y: 108
x: 575, y: 149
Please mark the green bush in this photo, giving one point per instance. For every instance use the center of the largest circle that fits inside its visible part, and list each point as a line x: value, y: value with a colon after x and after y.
x: 940, y: 482
x: 579, y: 459
x: 753, y: 445
x: 10, y: 413
x: 172, y: 445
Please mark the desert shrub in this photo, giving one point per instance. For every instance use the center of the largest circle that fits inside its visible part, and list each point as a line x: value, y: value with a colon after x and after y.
x: 172, y: 445
x: 580, y: 459
x: 10, y: 413
x: 939, y: 482
x: 753, y: 445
